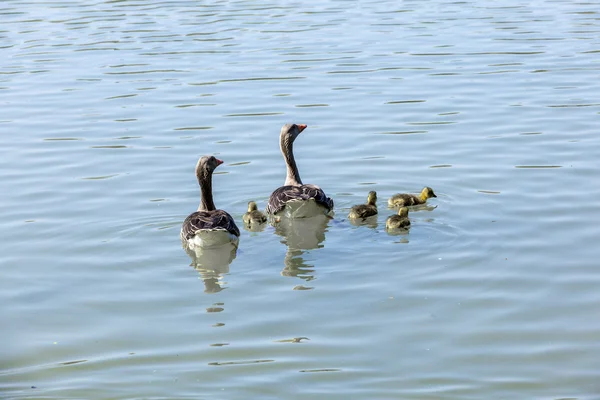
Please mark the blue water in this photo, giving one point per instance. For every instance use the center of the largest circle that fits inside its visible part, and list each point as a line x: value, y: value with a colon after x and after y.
x: 107, y: 106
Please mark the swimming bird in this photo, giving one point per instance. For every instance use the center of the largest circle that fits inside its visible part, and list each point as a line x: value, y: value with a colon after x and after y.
x: 405, y: 200
x: 365, y: 210
x: 253, y: 216
x: 294, y: 199
x: 208, y: 227
x: 399, y: 220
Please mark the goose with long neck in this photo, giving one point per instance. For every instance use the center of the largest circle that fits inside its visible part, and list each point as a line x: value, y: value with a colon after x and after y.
x: 294, y: 198
x: 208, y: 227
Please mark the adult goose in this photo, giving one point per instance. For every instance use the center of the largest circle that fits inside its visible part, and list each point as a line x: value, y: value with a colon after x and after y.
x: 208, y: 227
x: 294, y: 199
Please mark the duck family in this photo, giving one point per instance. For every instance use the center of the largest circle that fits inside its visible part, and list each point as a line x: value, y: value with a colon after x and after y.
x: 209, y: 227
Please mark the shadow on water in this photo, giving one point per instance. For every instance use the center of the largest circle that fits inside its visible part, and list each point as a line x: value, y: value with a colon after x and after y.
x: 212, y: 264
x: 300, y: 235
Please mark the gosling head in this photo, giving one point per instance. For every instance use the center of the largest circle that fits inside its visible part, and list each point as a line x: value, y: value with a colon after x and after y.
x: 372, y: 198
x: 403, y: 212
x: 206, y: 166
x: 252, y: 206
x: 427, y: 193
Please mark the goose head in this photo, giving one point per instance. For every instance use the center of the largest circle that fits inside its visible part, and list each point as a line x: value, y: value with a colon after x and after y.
x: 206, y: 166
x: 289, y: 132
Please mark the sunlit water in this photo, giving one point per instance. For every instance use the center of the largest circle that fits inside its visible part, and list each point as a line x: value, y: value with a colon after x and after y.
x: 493, y: 293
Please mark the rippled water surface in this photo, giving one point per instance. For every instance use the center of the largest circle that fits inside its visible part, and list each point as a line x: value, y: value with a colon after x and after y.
x: 493, y: 294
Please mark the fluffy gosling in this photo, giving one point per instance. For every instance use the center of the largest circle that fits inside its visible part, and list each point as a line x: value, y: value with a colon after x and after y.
x: 363, y: 211
x: 253, y: 216
x: 406, y: 200
x: 399, y: 220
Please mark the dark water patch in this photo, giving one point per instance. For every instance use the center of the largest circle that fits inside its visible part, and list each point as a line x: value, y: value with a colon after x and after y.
x: 292, y: 340
x: 574, y: 105
x: 432, y: 123
x: 488, y: 192
x: 538, y: 166
x: 218, y: 363
x: 311, y: 105
x: 73, y: 362
x: 123, y: 96
x: 441, y: 166
x: 196, y: 105
x: 194, y: 128
x: 264, y: 114
x: 401, y: 132
x: 321, y: 370
x: 351, y: 72
x: 282, y: 78
x: 153, y: 71
x: 94, y: 178
x: 405, y: 101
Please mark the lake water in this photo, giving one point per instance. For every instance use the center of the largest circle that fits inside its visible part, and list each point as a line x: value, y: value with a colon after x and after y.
x: 493, y: 294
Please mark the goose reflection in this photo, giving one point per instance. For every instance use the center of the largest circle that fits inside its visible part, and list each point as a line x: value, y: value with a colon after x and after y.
x: 299, y: 235
x: 212, y: 263
x: 371, y: 222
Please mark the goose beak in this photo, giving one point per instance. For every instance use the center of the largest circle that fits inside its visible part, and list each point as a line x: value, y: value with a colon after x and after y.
x: 219, y: 162
x: 301, y: 127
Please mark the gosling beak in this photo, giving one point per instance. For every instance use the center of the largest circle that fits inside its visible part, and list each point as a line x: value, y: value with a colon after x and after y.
x: 301, y: 127
x: 219, y: 162
x: 433, y: 195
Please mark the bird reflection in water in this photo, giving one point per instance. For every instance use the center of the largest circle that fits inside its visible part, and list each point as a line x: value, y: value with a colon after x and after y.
x: 371, y: 222
x: 212, y: 263
x: 299, y: 235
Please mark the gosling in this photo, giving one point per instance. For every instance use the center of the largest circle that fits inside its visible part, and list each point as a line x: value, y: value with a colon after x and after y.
x: 405, y: 199
x: 399, y: 221
x: 253, y: 216
x: 363, y: 211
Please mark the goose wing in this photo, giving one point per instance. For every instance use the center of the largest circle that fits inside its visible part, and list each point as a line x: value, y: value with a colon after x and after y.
x: 284, y: 194
x: 208, y: 220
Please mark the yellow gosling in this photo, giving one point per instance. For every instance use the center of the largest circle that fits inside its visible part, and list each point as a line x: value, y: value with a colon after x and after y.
x: 406, y: 200
x: 253, y: 216
x: 399, y: 221
x: 363, y: 211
